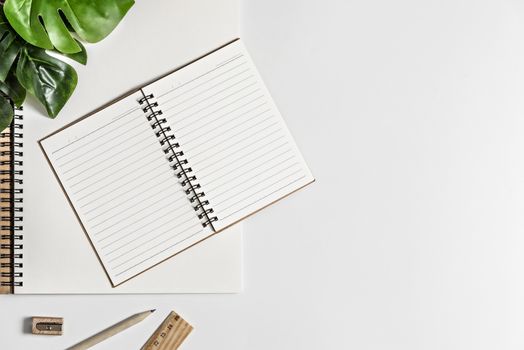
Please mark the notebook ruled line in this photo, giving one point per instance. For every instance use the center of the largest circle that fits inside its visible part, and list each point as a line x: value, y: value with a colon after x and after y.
x: 131, y: 233
x: 160, y: 98
x: 217, y: 102
x: 142, y: 144
x: 179, y: 224
x: 149, y: 171
x: 99, y: 205
x: 264, y: 197
x: 178, y: 103
x: 117, y: 205
x: 134, y: 122
x: 235, y: 161
x: 140, y: 236
x: 140, y: 176
x: 150, y: 153
x: 112, y: 157
x: 98, y: 129
x: 249, y: 145
x: 120, y: 145
x: 115, y: 215
x: 207, y: 98
x: 157, y: 245
x: 199, y: 77
x: 232, y: 137
x: 245, y: 138
x: 198, y: 128
x: 153, y: 216
x: 211, y: 189
x: 151, y: 211
x: 251, y: 186
x: 146, y: 236
x: 229, y: 60
x: 162, y: 251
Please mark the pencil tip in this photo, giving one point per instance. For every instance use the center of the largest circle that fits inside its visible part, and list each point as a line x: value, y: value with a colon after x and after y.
x: 153, y: 310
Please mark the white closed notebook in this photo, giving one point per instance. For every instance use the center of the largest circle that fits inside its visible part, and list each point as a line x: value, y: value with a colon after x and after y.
x: 176, y: 162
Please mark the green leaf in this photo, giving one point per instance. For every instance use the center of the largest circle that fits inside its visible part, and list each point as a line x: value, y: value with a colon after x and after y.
x: 10, y: 46
x: 50, y: 80
x: 80, y: 57
x: 44, y: 23
x: 12, y: 88
x: 6, y: 112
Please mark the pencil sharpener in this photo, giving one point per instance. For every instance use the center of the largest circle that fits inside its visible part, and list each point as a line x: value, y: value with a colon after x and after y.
x: 47, y: 325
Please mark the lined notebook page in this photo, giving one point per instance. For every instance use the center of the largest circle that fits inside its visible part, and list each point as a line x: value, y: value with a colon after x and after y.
x: 117, y: 178
x: 231, y: 132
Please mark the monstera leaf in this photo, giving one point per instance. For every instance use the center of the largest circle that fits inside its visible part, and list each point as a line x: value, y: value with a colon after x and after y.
x: 49, y: 79
x: 10, y: 46
x: 6, y: 112
x: 30, y: 27
x: 12, y: 88
x: 47, y: 23
x: 26, y: 67
x: 80, y: 57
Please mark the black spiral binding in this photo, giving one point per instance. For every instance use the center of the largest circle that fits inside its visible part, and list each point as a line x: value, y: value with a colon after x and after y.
x: 176, y: 159
x: 12, y: 203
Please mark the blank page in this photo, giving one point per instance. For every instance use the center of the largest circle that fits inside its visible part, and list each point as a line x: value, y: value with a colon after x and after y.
x: 231, y: 133
x: 126, y: 196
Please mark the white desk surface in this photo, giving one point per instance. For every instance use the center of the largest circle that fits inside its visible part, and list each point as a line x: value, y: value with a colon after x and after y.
x: 411, y: 116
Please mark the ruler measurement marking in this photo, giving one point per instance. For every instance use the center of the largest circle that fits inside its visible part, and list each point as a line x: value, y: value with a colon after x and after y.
x: 170, y: 334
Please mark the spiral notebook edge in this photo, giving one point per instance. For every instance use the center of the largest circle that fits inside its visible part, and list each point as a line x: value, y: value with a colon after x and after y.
x: 11, y: 191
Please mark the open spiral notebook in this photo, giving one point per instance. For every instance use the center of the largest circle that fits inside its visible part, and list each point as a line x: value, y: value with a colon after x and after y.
x: 175, y: 162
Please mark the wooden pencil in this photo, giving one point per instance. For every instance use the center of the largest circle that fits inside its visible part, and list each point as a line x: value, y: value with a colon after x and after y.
x: 111, y: 331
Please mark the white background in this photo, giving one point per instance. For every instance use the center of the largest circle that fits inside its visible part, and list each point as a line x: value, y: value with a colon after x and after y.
x: 410, y: 115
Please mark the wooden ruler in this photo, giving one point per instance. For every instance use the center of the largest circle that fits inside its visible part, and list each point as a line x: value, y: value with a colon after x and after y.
x: 170, y: 334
